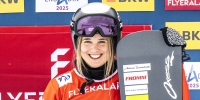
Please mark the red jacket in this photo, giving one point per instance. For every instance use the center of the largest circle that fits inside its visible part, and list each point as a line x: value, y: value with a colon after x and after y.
x: 67, y: 85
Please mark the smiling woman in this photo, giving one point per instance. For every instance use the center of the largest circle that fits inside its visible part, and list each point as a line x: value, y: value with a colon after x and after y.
x: 95, y: 30
x: 95, y: 51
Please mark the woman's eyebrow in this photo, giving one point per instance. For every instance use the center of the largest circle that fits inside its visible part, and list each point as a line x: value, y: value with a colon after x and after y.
x: 86, y: 39
x: 103, y: 39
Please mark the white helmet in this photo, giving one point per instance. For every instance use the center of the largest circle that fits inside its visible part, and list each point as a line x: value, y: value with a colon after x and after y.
x: 96, y: 17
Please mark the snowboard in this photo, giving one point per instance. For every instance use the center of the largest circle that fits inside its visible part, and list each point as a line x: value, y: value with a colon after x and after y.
x: 148, y: 68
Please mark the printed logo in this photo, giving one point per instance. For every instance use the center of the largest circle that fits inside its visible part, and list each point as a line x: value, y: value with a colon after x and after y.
x: 137, y: 67
x: 135, y: 78
x: 58, y: 64
x: 9, y: 1
x: 189, y: 31
x: 192, y: 72
x: 131, y: 5
x: 182, y: 5
x: 59, y: 5
x: 60, y: 1
x: 167, y: 85
x: 10, y: 6
x: 64, y: 79
x: 136, y: 89
x: 193, y: 35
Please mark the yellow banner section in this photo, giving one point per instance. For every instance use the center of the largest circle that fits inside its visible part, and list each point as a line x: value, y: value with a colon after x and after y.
x: 138, y: 97
x: 131, y: 5
x: 11, y: 6
x: 189, y: 31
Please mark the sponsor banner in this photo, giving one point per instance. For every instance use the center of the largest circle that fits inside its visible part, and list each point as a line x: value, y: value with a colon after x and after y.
x: 59, y: 5
x: 136, y: 89
x: 131, y: 5
x: 32, y: 55
x: 29, y: 57
x: 189, y: 31
x: 11, y: 6
x: 192, y: 72
x: 182, y: 4
x: 137, y: 67
x: 136, y: 78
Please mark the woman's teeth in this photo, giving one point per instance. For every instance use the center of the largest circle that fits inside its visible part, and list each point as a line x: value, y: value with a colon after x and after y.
x: 95, y: 56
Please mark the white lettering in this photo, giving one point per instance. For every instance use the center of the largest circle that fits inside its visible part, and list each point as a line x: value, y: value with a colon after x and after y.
x: 195, y: 3
x: 86, y: 89
x: 112, y: 86
x: 16, y: 98
x: 105, y: 87
x: 168, y: 62
x: 186, y: 2
x: 102, y: 86
x: 99, y: 87
x: 76, y: 93
x: 191, y: 3
x: 117, y: 85
x: 173, y: 3
x: 70, y: 93
x: 181, y: 2
x: 58, y: 64
x: 41, y: 94
x: 177, y: 1
x: 92, y: 89
x: 169, y: 2
x: 26, y: 94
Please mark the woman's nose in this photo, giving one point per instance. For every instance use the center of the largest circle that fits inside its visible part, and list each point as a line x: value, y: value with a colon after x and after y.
x: 94, y: 48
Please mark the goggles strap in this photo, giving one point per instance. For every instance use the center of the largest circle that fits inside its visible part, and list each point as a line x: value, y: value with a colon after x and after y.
x: 72, y: 25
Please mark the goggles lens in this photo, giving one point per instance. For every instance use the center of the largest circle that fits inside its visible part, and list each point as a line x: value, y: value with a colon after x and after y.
x: 86, y: 25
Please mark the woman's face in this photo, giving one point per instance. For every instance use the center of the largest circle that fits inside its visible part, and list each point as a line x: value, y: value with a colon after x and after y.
x: 94, y: 50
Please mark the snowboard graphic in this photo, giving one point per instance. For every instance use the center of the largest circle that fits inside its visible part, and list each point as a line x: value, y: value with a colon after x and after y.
x: 148, y: 68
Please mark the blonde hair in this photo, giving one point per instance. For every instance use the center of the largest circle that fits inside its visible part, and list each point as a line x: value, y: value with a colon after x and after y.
x: 110, y: 63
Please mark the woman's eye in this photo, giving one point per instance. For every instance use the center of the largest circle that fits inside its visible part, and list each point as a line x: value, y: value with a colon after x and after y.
x: 102, y: 41
x: 87, y: 42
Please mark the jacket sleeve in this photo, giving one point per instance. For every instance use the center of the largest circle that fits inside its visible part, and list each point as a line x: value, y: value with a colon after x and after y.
x: 185, y: 91
x: 51, y: 92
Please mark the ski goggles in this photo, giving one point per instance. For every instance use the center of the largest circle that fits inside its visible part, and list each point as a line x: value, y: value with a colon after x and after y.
x: 89, y: 25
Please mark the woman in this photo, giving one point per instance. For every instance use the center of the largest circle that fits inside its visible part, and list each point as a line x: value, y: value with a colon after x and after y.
x: 95, y: 76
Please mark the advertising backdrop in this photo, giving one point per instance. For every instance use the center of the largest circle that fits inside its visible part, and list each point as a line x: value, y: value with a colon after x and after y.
x: 59, y: 5
x: 131, y: 5
x: 192, y: 71
x: 182, y: 4
x: 189, y: 31
x: 32, y: 55
x: 24, y: 13
x: 11, y: 6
